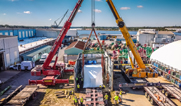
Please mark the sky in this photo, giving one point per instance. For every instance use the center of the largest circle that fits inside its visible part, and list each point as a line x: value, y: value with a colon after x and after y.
x: 135, y: 13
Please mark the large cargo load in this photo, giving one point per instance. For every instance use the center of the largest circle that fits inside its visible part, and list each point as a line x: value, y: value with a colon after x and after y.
x: 92, y: 76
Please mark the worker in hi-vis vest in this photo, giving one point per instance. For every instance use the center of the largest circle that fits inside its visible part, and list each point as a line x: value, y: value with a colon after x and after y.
x: 81, y: 101
x: 106, y: 99
x: 78, y: 86
x: 116, y: 99
x: 75, y: 100
x: 120, y: 93
x: 102, y: 87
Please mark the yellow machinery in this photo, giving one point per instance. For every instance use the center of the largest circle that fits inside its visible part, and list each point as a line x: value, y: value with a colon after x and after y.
x: 142, y: 71
x: 114, y: 36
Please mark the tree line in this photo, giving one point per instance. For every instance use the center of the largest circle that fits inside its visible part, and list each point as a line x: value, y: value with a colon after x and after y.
x: 97, y: 28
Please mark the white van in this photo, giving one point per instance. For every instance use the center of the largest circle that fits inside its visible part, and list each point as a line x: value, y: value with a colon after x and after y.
x: 27, y: 65
x: 43, y: 57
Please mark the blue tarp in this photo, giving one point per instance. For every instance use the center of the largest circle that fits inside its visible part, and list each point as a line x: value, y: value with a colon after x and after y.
x: 91, y: 62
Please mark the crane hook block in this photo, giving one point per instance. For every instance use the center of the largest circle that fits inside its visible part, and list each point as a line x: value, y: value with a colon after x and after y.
x: 93, y: 24
x: 121, y: 24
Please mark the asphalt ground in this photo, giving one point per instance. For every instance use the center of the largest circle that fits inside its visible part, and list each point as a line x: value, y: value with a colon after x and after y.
x: 20, y: 79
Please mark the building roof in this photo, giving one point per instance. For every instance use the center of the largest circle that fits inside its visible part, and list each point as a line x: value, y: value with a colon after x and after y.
x: 6, y: 36
x: 36, y: 51
x: 169, y: 55
x: 33, y: 42
x: 165, y: 32
x: 77, y: 44
x: 147, y: 31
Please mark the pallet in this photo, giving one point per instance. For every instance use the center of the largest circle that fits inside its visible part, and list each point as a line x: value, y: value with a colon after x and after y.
x: 151, y: 91
x: 22, y: 97
x: 94, y: 97
x: 173, y: 90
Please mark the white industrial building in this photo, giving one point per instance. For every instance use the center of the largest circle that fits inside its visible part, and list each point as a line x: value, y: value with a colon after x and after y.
x: 164, y: 37
x: 145, y: 36
x: 178, y: 30
x: 9, y: 53
x: 154, y: 38
x: 177, y: 36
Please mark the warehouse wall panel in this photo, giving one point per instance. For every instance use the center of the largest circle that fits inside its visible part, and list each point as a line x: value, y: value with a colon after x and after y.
x: 45, y: 33
x: 11, y: 52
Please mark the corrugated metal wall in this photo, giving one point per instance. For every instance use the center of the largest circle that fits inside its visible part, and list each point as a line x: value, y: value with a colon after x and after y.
x: 25, y: 33
x: 145, y: 38
x: 11, y: 50
x: 47, y: 33
x: 21, y: 33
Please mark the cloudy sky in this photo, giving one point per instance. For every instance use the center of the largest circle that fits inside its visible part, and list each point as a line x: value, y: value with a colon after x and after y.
x: 134, y: 12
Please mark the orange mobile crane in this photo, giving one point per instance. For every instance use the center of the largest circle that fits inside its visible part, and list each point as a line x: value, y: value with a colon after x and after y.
x: 142, y: 71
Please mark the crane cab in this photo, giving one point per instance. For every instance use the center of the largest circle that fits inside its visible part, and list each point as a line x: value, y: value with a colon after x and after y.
x: 141, y: 73
x: 137, y: 73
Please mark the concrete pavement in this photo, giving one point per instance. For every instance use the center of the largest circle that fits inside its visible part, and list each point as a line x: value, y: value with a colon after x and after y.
x: 6, y: 75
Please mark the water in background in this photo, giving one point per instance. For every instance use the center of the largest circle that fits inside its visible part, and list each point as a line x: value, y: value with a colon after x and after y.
x: 176, y: 33
x: 105, y: 32
x: 112, y: 32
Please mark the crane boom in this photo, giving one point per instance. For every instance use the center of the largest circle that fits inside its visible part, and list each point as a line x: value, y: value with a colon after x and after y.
x: 61, y: 35
x: 62, y: 18
x: 124, y: 30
